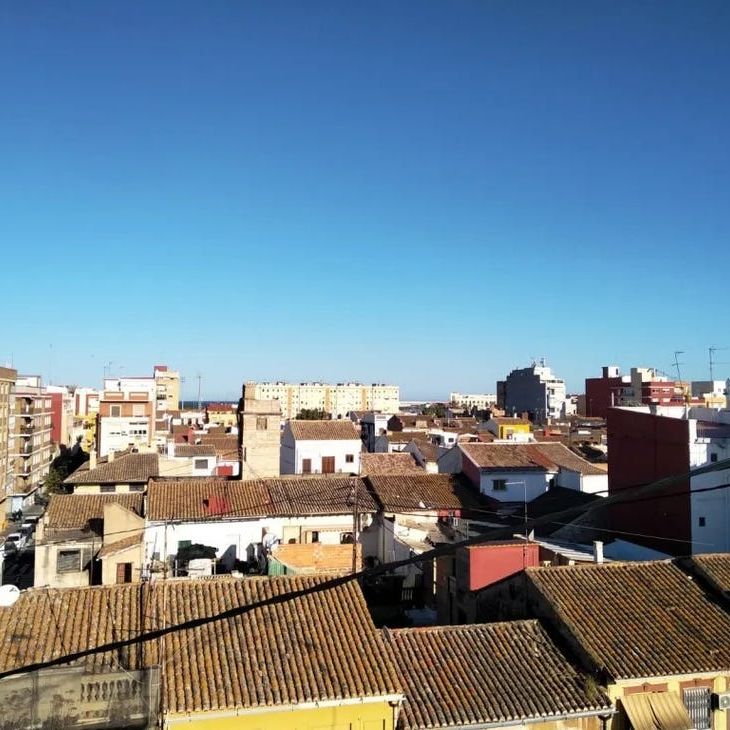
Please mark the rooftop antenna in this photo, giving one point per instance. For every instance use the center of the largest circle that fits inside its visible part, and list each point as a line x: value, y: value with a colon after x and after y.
x: 714, y: 362
x: 199, y: 377
x: 677, y: 353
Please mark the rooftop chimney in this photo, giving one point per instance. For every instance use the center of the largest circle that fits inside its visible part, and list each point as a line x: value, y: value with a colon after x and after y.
x: 597, y: 551
x: 92, y: 459
x: 110, y: 456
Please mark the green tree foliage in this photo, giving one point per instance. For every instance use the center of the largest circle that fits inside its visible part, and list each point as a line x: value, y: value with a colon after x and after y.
x: 437, y: 410
x: 313, y: 414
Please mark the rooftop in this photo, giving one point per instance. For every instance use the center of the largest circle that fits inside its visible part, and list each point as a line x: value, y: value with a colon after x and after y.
x: 124, y: 468
x: 195, y: 499
x: 715, y: 569
x: 545, y: 456
x: 318, y: 647
x: 77, y: 511
x: 192, y: 450
x: 317, y: 557
x: 504, y: 673
x: 338, y: 430
x: 428, y: 492
x: 637, y: 619
x: 396, y: 463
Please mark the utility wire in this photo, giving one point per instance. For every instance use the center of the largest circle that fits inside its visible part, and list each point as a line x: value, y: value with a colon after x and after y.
x: 498, y: 533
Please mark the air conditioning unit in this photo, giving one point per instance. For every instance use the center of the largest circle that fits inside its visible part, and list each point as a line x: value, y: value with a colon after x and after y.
x: 721, y: 700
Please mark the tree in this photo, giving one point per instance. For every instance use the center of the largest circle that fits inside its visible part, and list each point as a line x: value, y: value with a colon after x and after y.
x: 437, y: 410
x: 313, y: 414
x: 53, y: 482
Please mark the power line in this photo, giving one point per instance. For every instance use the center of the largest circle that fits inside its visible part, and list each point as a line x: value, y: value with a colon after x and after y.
x: 498, y: 533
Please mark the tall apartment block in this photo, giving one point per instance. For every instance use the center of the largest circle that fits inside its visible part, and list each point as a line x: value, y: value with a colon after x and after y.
x: 8, y: 377
x: 535, y: 391
x: 337, y: 400
x: 33, y: 448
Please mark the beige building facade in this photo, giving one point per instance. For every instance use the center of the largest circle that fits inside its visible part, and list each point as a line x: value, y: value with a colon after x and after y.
x: 8, y: 376
x: 32, y: 449
x: 337, y: 400
x: 260, y: 430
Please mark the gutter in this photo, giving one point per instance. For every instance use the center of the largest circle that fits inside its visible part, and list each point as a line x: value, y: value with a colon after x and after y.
x: 268, y: 709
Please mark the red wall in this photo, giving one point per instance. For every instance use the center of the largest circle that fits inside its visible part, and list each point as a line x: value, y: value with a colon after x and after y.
x: 490, y: 563
x: 643, y: 448
x: 598, y: 395
x: 56, y: 413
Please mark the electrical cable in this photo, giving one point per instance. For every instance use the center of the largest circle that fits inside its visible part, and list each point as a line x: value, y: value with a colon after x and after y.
x: 495, y: 534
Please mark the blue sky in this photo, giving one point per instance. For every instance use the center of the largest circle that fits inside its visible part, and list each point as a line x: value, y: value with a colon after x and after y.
x: 425, y: 193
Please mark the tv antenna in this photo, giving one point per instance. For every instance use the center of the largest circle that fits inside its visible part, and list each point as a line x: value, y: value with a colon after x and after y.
x: 677, y: 353
x: 713, y: 362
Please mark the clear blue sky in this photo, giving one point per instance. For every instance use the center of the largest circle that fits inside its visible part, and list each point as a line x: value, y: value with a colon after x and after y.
x: 425, y: 193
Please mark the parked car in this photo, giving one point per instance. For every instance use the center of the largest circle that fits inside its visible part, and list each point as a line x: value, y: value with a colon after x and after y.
x: 13, y: 542
x: 27, y: 529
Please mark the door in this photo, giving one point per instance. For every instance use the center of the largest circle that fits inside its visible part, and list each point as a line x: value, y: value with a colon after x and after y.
x: 328, y: 465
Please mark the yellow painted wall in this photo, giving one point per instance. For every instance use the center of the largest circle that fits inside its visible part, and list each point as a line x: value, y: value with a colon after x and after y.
x: 721, y: 683
x: 504, y: 431
x: 368, y: 716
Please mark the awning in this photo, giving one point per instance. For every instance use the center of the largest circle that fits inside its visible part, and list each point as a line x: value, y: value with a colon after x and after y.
x: 656, y: 711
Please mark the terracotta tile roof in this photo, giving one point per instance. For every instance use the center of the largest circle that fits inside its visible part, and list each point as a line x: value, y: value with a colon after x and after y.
x: 221, y: 407
x: 225, y: 447
x: 338, y: 430
x: 637, y: 619
x: 428, y: 450
x: 502, y: 673
x: 506, y: 421
x: 112, y: 548
x: 317, y: 557
x: 123, y: 469
x: 317, y: 647
x: 715, y: 568
x: 408, y: 492
x: 76, y: 511
x: 399, y: 462
x: 191, y: 450
x: 194, y: 499
x: 527, y: 456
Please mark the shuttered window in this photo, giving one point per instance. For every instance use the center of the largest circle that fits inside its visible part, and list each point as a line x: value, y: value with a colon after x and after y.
x: 68, y: 561
x: 697, y: 702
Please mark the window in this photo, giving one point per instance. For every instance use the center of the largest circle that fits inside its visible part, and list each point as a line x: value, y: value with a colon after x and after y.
x: 349, y: 458
x: 702, y: 521
x: 306, y: 466
x: 201, y: 463
x: 260, y: 423
x: 136, y: 487
x: 108, y: 488
x: 697, y: 702
x: 68, y: 561
x: 499, y: 485
x: 138, y: 409
x: 314, y: 536
x: 115, y: 411
x: 124, y: 572
x: 713, y: 458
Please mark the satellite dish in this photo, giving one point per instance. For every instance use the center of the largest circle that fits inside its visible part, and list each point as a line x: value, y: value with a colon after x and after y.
x: 9, y: 595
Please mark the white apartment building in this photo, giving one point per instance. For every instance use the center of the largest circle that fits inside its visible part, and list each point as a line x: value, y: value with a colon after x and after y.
x: 337, y: 400
x: 481, y: 401
x: 534, y: 390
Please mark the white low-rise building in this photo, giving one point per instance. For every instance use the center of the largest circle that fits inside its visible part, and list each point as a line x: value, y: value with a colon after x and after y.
x: 242, y: 519
x: 521, y: 472
x: 320, y: 447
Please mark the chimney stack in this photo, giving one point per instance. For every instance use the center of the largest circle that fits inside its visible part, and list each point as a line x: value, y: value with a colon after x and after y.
x: 597, y: 551
x: 92, y: 459
x: 110, y: 456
